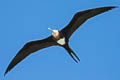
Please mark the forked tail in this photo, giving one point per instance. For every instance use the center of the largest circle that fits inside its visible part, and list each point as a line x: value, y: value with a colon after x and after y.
x: 71, y: 53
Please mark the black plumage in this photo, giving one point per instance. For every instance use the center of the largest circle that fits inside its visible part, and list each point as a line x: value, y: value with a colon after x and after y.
x: 78, y: 19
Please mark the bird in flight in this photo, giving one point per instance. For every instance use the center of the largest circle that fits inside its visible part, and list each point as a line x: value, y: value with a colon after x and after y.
x: 58, y: 37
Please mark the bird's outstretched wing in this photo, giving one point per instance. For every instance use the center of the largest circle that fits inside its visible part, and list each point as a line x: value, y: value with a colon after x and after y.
x: 29, y: 48
x: 80, y: 17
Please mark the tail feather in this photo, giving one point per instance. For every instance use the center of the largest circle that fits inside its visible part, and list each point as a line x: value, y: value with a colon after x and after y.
x: 70, y: 51
x: 75, y: 54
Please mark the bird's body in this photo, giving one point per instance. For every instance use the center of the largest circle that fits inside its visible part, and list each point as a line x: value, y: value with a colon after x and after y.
x: 58, y: 37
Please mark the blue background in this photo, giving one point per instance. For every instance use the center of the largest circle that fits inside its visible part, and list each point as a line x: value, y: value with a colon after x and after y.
x: 97, y: 42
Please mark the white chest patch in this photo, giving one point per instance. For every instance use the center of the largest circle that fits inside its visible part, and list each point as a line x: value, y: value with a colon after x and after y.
x: 61, y: 41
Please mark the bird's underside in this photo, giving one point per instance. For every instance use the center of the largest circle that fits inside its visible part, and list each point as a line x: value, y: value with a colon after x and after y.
x: 78, y: 19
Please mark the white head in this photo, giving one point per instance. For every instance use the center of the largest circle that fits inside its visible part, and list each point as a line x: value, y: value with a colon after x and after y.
x: 55, y: 33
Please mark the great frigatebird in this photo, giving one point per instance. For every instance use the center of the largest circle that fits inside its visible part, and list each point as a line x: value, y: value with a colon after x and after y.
x: 58, y: 37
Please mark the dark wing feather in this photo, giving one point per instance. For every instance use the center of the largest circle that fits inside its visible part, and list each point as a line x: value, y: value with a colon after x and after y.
x: 29, y: 48
x: 80, y: 17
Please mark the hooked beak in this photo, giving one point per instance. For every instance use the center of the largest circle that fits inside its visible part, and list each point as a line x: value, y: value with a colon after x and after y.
x: 50, y: 29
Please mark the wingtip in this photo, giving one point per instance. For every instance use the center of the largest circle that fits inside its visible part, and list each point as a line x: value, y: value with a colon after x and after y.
x: 112, y: 7
x: 6, y: 72
x: 115, y: 6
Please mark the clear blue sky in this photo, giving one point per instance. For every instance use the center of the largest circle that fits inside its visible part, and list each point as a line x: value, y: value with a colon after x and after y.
x: 96, y: 42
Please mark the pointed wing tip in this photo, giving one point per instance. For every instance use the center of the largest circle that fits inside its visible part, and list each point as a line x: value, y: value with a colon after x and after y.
x: 114, y: 7
x: 110, y: 7
x: 6, y: 72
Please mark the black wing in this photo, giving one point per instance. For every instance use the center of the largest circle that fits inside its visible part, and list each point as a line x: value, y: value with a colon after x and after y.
x: 29, y: 48
x: 80, y: 17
